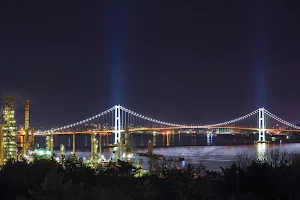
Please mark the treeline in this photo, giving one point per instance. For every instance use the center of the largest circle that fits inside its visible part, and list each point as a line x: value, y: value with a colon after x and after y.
x: 276, y: 176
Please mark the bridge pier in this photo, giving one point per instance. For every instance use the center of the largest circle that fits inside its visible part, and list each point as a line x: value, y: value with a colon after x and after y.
x: 150, y: 148
x: 69, y: 142
x: 194, y: 139
x: 62, y: 150
x: 49, y: 142
x: 100, y: 144
x: 127, y: 144
x: 168, y: 138
x: 94, y: 146
x: 164, y: 138
x: 142, y: 140
x: 85, y: 141
x: 73, y: 145
x: 107, y: 141
x: 173, y: 138
x: 154, y: 139
x: 209, y: 139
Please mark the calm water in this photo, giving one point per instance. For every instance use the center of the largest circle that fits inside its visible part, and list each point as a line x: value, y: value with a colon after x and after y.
x: 212, y: 157
x: 195, y: 148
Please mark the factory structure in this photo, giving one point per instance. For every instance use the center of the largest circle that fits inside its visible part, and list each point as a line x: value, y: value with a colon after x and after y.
x: 8, y: 131
x: 27, y: 134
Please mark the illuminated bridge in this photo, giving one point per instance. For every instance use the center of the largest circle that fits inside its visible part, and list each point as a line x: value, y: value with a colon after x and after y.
x: 116, y: 119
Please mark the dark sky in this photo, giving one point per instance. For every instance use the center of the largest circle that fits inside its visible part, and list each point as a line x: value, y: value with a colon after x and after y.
x: 177, y: 61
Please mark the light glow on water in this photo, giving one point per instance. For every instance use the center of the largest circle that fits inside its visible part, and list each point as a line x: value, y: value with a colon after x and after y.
x: 261, y: 151
x: 212, y: 157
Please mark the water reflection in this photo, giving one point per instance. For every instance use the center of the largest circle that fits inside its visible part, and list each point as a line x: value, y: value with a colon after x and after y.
x: 261, y: 151
x: 168, y: 139
x: 209, y: 139
x: 154, y: 139
x: 212, y: 157
x: 222, y: 153
x: 183, y: 164
x: 194, y: 142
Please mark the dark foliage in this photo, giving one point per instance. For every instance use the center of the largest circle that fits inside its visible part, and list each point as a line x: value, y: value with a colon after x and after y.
x: 48, y: 180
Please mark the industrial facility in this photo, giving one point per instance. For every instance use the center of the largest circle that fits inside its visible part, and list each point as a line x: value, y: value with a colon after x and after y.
x: 8, y: 130
x: 10, y: 136
x: 26, y: 135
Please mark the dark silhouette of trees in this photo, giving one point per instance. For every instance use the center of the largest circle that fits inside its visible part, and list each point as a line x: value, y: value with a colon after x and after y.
x: 277, y: 177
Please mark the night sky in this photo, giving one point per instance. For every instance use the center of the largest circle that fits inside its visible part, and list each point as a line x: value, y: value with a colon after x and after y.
x: 177, y: 61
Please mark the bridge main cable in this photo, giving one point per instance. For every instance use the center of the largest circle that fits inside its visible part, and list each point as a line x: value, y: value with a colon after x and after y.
x: 234, y: 120
x: 180, y: 125
x: 148, y: 118
x: 281, y: 120
x: 80, y: 122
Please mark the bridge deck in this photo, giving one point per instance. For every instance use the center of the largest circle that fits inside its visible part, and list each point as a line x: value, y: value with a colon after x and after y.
x: 160, y: 129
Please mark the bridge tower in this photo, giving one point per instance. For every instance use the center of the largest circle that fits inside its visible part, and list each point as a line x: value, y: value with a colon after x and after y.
x: 117, y: 124
x: 261, y: 125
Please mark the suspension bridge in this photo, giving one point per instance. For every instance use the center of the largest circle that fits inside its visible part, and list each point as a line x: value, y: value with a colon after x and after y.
x: 118, y: 118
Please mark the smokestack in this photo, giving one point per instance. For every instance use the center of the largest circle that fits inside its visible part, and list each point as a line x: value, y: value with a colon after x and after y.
x: 26, y: 115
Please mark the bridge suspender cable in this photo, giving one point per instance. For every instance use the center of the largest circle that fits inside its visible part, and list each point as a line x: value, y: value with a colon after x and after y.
x: 281, y: 120
x: 83, y: 121
x: 148, y: 118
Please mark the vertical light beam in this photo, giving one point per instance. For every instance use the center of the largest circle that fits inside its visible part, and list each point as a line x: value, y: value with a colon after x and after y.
x: 117, y: 24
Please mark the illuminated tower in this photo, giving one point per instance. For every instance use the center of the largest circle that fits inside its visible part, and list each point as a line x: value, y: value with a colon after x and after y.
x: 26, y: 142
x: 261, y: 125
x: 26, y: 115
x: 1, y: 145
x: 9, y: 128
